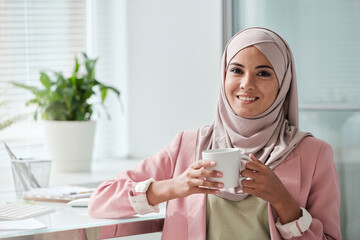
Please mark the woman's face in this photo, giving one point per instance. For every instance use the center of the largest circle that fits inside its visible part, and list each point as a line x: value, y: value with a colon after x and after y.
x: 251, y: 85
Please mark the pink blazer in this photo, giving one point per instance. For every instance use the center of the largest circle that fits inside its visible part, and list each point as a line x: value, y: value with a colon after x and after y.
x: 308, y: 173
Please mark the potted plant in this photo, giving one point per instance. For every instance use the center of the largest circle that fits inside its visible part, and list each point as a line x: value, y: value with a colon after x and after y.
x: 63, y: 104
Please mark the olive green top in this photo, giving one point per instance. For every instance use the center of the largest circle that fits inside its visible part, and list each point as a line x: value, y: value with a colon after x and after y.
x: 242, y: 220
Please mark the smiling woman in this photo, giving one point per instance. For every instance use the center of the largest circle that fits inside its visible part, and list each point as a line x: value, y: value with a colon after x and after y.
x: 251, y: 85
x: 284, y: 189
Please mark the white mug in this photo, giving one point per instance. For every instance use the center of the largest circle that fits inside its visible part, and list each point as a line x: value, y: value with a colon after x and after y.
x: 229, y: 161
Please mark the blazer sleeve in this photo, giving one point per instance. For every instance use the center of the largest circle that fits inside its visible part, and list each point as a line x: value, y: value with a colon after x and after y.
x: 324, y: 198
x: 111, y: 198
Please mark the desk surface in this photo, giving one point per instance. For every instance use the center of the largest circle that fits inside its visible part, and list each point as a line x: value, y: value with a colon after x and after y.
x: 75, y: 223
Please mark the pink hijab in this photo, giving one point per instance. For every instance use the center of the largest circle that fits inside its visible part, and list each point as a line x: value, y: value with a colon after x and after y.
x: 273, y: 134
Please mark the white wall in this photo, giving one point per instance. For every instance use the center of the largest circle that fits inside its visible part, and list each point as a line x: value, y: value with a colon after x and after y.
x: 174, y: 57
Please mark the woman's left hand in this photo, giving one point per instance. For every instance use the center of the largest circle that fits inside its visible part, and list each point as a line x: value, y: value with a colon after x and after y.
x: 264, y: 183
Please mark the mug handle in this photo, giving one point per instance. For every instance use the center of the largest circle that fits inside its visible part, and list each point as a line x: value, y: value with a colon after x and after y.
x: 243, y: 160
x: 245, y: 157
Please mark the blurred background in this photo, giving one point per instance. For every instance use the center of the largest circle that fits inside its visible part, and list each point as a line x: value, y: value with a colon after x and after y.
x: 164, y: 56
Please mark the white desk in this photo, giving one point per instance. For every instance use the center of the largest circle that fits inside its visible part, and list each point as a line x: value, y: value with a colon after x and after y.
x: 74, y: 223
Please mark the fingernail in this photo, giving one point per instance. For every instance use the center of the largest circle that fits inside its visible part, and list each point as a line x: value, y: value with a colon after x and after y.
x: 220, y: 185
x: 217, y: 191
x: 219, y: 174
x: 212, y: 163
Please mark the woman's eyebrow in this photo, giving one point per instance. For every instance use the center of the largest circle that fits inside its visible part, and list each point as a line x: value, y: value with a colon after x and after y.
x: 237, y: 64
x: 264, y: 66
x: 260, y: 66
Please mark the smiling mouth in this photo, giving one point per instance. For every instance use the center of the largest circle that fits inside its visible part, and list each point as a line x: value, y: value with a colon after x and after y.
x: 247, y: 99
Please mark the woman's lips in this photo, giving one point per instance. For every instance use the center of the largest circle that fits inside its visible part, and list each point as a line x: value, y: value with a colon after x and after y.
x: 247, y: 99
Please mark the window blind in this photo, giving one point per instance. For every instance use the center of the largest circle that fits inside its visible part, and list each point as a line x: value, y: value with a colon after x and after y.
x: 37, y: 35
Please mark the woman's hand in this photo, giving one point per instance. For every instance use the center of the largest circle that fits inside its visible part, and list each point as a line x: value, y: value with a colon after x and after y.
x: 265, y: 184
x: 193, y: 180
x: 189, y: 182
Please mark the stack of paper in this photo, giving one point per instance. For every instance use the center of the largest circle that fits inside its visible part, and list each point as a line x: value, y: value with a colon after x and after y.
x: 64, y: 193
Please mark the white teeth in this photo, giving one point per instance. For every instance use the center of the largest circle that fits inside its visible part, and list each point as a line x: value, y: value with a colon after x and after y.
x: 247, y: 98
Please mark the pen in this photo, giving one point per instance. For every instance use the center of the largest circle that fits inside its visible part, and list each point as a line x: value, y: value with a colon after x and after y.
x: 23, y: 171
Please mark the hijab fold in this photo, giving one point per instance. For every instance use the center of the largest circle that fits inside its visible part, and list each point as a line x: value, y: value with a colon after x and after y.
x: 273, y: 134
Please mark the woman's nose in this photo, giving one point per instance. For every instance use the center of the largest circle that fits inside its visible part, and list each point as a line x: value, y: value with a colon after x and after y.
x: 247, y: 83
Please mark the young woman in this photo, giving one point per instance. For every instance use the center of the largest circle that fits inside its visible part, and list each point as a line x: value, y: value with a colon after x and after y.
x: 291, y: 189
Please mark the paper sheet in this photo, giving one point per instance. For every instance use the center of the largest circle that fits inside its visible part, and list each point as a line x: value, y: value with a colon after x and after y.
x: 26, y: 224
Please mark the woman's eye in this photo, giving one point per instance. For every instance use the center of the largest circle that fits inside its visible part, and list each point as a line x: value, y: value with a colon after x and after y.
x: 236, y: 70
x: 264, y: 74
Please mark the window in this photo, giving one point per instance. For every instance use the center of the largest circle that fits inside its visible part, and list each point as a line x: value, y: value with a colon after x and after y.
x: 47, y: 34
x: 323, y: 36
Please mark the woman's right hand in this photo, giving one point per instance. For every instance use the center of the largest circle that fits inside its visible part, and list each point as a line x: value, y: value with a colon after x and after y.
x: 193, y: 180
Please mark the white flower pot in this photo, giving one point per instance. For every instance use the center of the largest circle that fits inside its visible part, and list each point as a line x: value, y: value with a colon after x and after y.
x: 70, y: 144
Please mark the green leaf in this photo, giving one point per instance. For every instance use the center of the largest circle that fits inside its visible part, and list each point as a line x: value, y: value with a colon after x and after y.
x: 55, y: 96
x: 34, y: 90
x: 68, y: 94
x: 117, y: 92
x: 33, y: 101
x: 60, y: 80
x: 104, y: 90
x: 72, y: 81
x: 45, y: 80
x: 77, y: 66
x: 103, y: 94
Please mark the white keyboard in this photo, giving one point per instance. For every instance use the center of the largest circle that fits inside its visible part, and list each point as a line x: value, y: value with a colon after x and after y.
x: 17, y: 211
